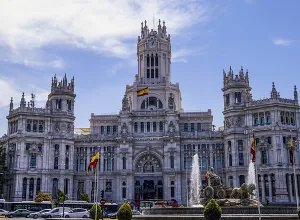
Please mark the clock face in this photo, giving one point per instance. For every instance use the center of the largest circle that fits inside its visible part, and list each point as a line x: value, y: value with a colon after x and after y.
x: 151, y: 43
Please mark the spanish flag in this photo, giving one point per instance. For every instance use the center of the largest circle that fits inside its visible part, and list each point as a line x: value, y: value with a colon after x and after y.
x: 93, y: 163
x: 291, y: 151
x: 143, y: 92
x: 253, y: 150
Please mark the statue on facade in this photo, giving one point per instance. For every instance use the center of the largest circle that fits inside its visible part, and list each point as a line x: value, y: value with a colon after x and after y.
x: 171, y: 101
x: 125, y: 103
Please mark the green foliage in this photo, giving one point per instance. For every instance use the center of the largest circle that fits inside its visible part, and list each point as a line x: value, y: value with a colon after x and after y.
x: 61, y: 197
x: 212, y: 211
x: 40, y: 197
x: 85, y: 197
x: 2, y: 158
x: 93, y: 212
x: 299, y: 213
x: 124, y: 212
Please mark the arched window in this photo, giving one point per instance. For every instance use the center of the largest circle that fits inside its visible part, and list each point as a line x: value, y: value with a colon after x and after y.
x: 31, y: 185
x: 55, y: 187
x: 241, y: 179
x: 41, y: 129
x: 142, y: 127
x: 154, y: 126
x: 38, y: 185
x: 151, y: 103
x: 148, y: 126
x: 148, y: 61
x: 156, y: 60
x: 28, y: 127
x: 24, y: 189
x: 152, y: 60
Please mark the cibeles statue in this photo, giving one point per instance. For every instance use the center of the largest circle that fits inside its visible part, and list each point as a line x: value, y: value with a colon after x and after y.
x: 224, y: 195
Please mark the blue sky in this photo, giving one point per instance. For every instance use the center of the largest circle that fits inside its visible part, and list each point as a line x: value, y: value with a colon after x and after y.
x: 95, y: 41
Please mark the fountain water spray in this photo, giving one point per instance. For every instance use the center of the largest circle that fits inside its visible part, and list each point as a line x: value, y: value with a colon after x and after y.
x: 195, y: 182
x: 251, y: 175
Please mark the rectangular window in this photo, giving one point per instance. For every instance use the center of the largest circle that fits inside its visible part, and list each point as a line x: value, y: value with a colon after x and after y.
x: 219, y: 165
x: 172, y: 192
x: 148, y: 126
x: 124, y: 163
x: 108, y: 129
x: 148, y: 73
x: 154, y: 126
x: 67, y: 163
x: 241, y: 159
x: 56, y: 163
x: 114, y: 129
x: 198, y: 127
x: 102, y: 130
x: 192, y: 127
x: 161, y: 128
x: 135, y: 127
x: 33, y: 161
x: 152, y: 73
x: 264, y: 157
x: 156, y: 73
x: 124, y: 193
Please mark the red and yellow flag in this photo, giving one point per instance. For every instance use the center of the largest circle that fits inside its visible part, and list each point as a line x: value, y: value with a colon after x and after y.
x: 291, y: 151
x: 93, y: 163
x: 143, y: 92
x: 253, y: 150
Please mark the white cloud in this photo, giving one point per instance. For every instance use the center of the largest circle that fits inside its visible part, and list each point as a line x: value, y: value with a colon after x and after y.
x: 10, y: 88
x: 282, y: 42
x: 103, y: 26
x: 182, y: 54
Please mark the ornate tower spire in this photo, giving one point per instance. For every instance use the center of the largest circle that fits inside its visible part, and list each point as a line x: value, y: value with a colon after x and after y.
x: 274, y: 93
x: 23, y: 101
x: 295, y: 93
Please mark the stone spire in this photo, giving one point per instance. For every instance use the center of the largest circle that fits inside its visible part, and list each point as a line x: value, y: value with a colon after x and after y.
x: 274, y: 93
x: 295, y: 93
x: 11, y: 104
x: 23, y: 101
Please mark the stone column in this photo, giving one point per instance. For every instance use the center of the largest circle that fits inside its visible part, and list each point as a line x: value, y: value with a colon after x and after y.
x: 263, y: 193
x: 270, y: 188
x: 290, y: 188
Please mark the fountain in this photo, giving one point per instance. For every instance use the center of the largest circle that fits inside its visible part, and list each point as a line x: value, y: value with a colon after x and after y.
x: 195, y: 188
x: 251, y: 176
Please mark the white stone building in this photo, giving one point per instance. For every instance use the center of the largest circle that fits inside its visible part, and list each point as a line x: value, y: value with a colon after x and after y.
x: 146, y: 150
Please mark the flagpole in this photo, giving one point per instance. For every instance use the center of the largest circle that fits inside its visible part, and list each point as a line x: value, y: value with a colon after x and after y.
x: 258, y: 201
x: 96, y: 195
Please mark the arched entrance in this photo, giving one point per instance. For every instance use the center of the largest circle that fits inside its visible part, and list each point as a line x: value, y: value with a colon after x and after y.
x: 148, y: 179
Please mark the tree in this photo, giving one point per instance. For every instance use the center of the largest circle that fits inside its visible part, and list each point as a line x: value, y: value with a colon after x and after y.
x: 85, y: 197
x: 93, y: 212
x: 61, y: 197
x: 124, y: 212
x: 212, y: 210
x: 40, y: 197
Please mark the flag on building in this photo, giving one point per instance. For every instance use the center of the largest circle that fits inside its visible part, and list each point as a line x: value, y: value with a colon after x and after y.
x: 143, y: 92
x: 253, y: 150
x: 93, y: 163
x: 291, y: 151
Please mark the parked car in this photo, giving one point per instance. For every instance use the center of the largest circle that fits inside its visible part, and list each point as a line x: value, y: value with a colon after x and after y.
x: 77, y: 213
x: 54, y: 213
x: 38, y: 214
x: 18, y: 213
x: 3, y: 212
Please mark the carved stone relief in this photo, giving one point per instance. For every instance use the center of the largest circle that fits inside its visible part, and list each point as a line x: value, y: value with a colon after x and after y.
x: 171, y: 101
x: 234, y: 121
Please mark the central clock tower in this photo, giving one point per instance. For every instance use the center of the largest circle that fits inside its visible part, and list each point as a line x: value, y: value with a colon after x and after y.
x: 154, y: 55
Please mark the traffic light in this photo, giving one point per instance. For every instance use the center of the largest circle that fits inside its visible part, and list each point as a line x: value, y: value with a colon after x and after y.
x: 102, y: 194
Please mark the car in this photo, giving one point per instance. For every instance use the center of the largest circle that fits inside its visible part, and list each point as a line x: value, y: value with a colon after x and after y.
x: 18, y: 213
x: 3, y: 212
x: 76, y: 213
x: 38, y: 214
x: 55, y: 213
